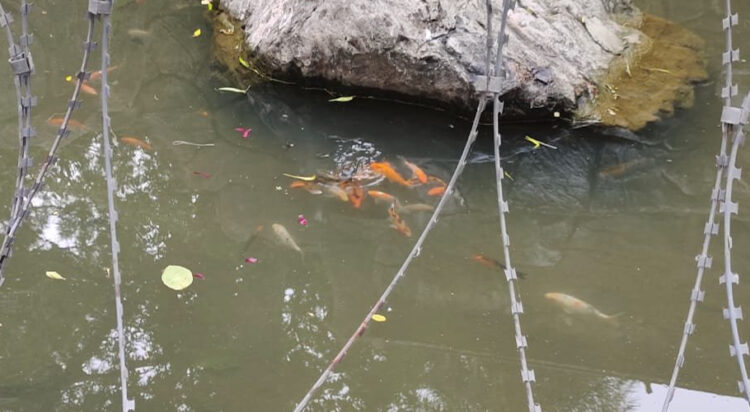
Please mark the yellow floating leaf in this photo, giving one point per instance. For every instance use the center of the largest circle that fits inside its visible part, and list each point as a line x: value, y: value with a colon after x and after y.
x: 244, y: 63
x: 177, y: 277
x: 507, y: 175
x: 343, y: 99
x: 378, y: 318
x: 304, y: 178
x: 55, y: 275
x: 68, y: 78
x: 197, y: 33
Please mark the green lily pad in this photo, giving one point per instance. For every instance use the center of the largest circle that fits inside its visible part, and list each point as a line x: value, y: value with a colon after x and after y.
x: 177, y: 277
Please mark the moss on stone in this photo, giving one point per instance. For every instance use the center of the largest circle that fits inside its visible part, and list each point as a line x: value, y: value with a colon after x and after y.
x: 653, y: 80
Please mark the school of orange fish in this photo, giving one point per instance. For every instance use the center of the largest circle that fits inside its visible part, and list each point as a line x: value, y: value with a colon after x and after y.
x: 354, y: 189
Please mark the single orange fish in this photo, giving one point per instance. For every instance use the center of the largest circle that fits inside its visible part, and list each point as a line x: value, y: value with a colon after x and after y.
x: 487, y: 262
x: 88, y: 89
x: 436, y: 191
x: 355, y: 192
x: 72, y: 124
x: 385, y: 169
x: 312, y: 188
x: 132, y: 141
x: 378, y: 195
x: 493, y: 264
x: 98, y: 74
x: 416, y: 172
x: 398, y: 223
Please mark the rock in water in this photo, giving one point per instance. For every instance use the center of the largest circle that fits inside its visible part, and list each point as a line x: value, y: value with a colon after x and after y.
x: 430, y: 50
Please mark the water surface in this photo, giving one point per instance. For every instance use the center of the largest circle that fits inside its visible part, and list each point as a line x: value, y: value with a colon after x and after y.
x: 256, y: 336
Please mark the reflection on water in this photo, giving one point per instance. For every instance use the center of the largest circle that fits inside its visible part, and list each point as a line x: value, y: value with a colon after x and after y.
x: 610, y: 221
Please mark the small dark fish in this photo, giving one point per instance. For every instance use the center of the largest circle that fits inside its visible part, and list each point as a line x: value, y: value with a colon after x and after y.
x: 199, y: 276
x: 202, y: 174
x: 492, y: 264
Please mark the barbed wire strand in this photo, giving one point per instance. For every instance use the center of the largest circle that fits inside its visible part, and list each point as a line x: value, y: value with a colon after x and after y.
x: 103, y: 9
x: 728, y: 208
x: 22, y: 66
x: 416, y: 249
x: 15, y: 224
x: 26, y: 132
x: 516, y: 307
x: 703, y: 260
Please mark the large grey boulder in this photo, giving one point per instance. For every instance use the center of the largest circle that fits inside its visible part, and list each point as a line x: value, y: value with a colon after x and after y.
x: 431, y: 50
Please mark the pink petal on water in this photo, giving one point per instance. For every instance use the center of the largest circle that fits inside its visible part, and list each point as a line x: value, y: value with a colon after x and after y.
x: 301, y: 219
x: 199, y: 276
x: 251, y: 260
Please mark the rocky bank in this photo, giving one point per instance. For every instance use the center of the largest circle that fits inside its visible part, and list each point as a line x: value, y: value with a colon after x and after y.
x: 577, y: 57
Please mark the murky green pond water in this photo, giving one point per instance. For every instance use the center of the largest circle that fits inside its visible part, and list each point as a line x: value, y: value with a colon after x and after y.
x: 255, y: 336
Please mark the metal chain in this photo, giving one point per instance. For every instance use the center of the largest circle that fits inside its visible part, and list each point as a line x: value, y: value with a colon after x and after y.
x: 103, y: 9
x: 732, y: 121
x: 23, y: 210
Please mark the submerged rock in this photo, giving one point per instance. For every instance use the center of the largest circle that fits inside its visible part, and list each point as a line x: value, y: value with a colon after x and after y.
x: 557, y: 58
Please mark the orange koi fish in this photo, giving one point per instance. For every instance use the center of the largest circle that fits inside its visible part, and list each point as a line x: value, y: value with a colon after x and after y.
x: 436, y: 191
x: 312, y: 188
x: 398, y: 223
x: 573, y: 305
x: 417, y: 173
x: 355, y: 192
x: 98, y: 74
x: 385, y: 169
x: 72, y: 124
x: 378, y: 195
x: 88, y: 89
x: 493, y: 264
x: 135, y: 142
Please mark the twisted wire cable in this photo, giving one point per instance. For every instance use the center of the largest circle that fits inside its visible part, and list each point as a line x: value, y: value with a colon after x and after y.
x: 23, y: 210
